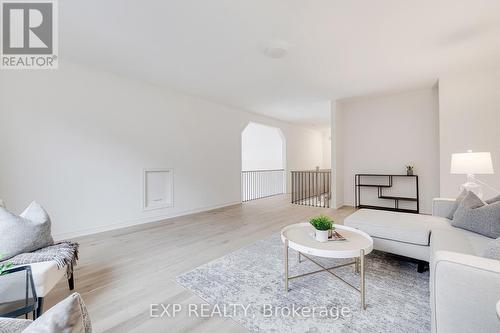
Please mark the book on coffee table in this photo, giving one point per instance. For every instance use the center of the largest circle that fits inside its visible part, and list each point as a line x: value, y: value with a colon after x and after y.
x: 335, y: 236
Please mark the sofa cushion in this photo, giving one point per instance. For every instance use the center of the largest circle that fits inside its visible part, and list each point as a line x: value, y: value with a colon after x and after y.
x: 402, y: 227
x: 482, y: 219
x: 25, y: 233
x: 492, y: 251
x: 69, y: 315
x: 458, y: 240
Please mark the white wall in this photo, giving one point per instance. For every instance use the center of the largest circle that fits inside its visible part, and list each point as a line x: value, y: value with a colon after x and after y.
x: 382, y: 135
x: 77, y: 141
x: 327, y: 148
x: 337, y: 155
x: 469, y: 112
x: 262, y: 148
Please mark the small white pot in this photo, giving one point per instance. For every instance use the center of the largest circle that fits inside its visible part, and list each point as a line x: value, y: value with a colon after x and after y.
x: 321, y: 235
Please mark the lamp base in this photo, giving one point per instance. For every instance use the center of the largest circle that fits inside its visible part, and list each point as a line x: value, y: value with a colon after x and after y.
x: 473, y: 187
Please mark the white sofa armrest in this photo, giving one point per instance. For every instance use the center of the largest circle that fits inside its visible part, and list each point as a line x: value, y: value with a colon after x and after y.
x: 464, y: 292
x: 442, y: 206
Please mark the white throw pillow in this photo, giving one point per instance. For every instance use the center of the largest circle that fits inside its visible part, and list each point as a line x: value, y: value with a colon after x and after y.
x: 2, y: 203
x: 25, y: 233
x: 69, y: 315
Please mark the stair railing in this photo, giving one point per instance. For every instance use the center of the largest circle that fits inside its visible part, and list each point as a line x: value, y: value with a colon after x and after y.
x: 311, y: 187
x: 257, y: 184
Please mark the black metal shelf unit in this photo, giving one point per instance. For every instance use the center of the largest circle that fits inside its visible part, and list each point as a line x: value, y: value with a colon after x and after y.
x: 357, y: 191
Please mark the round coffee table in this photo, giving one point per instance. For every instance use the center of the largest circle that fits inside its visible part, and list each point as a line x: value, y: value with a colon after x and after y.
x: 300, y: 237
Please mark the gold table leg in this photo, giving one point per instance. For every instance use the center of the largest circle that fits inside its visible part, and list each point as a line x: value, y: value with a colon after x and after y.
x: 362, y: 275
x: 359, y: 266
x: 286, y: 265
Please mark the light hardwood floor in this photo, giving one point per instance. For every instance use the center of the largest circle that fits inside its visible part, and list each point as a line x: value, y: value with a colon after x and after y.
x: 121, y: 272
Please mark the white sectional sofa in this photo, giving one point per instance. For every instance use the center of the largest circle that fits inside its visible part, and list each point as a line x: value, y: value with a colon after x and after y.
x: 465, y: 286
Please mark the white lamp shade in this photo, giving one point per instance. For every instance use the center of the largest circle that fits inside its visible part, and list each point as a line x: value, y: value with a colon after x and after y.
x: 471, y: 163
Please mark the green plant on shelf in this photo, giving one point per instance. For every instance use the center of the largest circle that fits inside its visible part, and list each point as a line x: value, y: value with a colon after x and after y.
x: 322, y: 222
x: 409, y: 169
x: 4, y: 266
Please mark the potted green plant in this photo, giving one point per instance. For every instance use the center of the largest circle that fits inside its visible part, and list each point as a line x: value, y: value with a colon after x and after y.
x: 323, y: 226
x: 4, y: 266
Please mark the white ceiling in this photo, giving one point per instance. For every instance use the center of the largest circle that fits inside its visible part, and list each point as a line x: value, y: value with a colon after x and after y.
x: 338, y: 48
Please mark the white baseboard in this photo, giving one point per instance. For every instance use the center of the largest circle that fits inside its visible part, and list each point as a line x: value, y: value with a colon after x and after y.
x: 134, y: 222
x: 345, y: 205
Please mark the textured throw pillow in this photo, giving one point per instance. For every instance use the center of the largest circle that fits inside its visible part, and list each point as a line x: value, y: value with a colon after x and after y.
x: 11, y: 325
x: 25, y: 233
x: 459, y: 199
x: 2, y: 203
x: 68, y: 316
x: 472, y: 215
x: 493, y: 250
x: 471, y: 201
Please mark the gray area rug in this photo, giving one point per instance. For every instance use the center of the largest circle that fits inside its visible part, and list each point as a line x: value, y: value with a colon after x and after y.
x: 397, y: 296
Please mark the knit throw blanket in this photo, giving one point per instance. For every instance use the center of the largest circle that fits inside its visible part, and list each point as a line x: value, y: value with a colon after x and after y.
x: 63, y: 253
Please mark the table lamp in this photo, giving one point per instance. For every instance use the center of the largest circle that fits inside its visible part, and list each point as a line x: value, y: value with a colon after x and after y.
x: 471, y: 164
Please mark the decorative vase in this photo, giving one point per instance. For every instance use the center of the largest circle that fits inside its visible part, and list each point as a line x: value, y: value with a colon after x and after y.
x: 409, y: 172
x: 322, y: 235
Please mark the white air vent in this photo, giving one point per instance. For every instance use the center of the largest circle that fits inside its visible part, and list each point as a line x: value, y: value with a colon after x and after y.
x: 158, y: 189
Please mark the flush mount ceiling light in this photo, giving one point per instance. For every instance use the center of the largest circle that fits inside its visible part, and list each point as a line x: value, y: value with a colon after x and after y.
x: 276, y: 49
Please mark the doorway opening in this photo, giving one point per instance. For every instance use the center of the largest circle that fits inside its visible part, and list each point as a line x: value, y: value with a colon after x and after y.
x: 263, y: 159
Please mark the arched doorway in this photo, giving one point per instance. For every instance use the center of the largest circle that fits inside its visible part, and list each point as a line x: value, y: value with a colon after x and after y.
x: 263, y: 159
